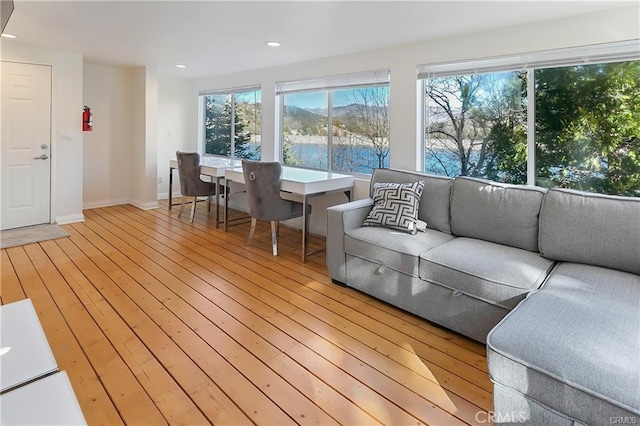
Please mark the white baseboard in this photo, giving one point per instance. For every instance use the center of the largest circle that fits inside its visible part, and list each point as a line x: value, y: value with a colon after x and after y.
x: 105, y: 203
x: 165, y: 195
x: 142, y: 205
x: 120, y: 201
x: 74, y: 218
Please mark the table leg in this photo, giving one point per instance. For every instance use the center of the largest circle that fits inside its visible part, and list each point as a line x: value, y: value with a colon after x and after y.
x: 216, y: 215
x: 304, y: 228
x: 226, y: 206
x: 170, y: 185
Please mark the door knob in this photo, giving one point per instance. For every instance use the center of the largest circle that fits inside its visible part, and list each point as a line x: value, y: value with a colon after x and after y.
x: 42, y: 157
x: 44, y: 146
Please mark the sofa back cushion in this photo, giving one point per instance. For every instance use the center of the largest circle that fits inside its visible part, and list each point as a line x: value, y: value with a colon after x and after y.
x: 434, y: 204
x: 595, y: 229
x: 501, y: 213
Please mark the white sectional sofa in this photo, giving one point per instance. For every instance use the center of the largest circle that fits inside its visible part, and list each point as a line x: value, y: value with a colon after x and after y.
x: 550, y: 280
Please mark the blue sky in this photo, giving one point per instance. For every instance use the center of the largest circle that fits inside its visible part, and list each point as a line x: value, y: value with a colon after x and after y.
x: 312, y: 100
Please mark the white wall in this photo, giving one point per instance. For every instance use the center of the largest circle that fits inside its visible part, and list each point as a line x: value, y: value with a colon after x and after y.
x: 130, y: 116
x: 177, y: 126
x: 144, y: 155
x: 614, y: 25
x: 66, y: 114
x: 107, y: 149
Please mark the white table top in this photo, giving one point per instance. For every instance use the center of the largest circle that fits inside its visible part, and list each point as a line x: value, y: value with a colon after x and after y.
x: 26, y: 353
x: 48, y: 401
x: 302, y: 181
x: 211, y: 165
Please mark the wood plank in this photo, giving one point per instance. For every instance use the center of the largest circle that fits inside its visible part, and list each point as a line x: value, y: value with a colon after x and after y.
x: 222, y: 409
x: 10, y: 290
x: 171, y: 400
x: 156, y: 280
x: 207, y: 261
x: 219, y: 308
x: 130, y: 399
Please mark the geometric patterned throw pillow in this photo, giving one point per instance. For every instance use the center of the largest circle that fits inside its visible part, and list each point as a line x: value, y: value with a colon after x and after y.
x: 395, y: 206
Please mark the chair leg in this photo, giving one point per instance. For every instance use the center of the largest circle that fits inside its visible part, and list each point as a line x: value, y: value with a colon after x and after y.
x: 274, y: 237
x: 254, y: 221
x: 193, y: 209
x: 184, y: 200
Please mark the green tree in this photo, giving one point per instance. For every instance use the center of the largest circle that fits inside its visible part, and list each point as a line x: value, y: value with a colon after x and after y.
x: 588, y: 127
x: 505, y: 113
x: 218, y: 129
x: 288, y: 156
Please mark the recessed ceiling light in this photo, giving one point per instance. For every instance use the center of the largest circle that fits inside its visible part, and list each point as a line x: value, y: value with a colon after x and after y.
x: 5, y: 35
x: 181, y: 66
x: 273, y: 43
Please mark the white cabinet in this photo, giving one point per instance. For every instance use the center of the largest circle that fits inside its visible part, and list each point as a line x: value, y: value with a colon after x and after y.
x: 47, y: 401
x: 32, y: 391
x: 25, y: 351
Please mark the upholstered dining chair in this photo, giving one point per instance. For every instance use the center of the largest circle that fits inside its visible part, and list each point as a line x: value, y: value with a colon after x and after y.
x: 262, y: 181
x: 191, y: 185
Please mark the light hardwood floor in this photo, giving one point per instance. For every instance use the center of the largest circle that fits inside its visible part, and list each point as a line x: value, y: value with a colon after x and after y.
x: 158, y: 321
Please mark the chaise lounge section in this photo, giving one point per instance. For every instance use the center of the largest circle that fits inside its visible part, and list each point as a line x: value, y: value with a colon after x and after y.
x: 557, y: 271
x: 571, y: 351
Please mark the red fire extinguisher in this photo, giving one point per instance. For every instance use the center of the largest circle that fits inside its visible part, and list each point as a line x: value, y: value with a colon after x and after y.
x: 87, y: 119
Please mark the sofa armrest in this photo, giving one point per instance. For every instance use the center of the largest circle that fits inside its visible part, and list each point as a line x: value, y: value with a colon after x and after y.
x: 341, y: 219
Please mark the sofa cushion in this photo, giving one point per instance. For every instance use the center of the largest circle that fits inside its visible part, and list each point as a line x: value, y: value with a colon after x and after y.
x: 589, y: 228
x: 574, y: 346
x: 501, y: 213
x: 395, y: 206
x: 496, y: 273
x: 434, y: 204
x: 393, y: 249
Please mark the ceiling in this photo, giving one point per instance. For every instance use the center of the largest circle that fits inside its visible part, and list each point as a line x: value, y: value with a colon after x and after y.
x: 223, y: 37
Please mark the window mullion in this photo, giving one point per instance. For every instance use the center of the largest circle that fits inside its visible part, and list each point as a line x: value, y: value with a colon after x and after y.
x: 330, y: 130
x: 531, y: 127
x: 423, y: 118
x: 202, y: 128
x: 232, y: 153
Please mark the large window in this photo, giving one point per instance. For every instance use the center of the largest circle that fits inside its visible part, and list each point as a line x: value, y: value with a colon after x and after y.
x: 338, y: 123
x: 232, y: 123
x: 556, y: 121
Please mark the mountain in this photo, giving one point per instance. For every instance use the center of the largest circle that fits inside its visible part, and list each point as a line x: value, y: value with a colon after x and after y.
x: 312, y: 121
x: 318, y: 111
x: 341, y: 111
x: 303, y: 121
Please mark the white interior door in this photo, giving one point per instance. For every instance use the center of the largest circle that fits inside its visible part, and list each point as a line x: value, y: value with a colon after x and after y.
x: 26, y: 144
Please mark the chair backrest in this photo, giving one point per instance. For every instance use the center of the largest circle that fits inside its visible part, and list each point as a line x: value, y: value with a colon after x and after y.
x: 189, y: 170
x: 262, y: 180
